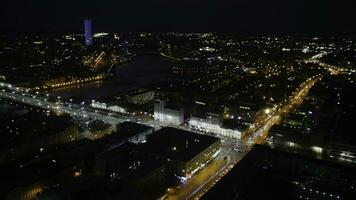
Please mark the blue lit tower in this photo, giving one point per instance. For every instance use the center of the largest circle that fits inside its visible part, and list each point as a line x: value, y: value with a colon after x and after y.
x: 88, y: 32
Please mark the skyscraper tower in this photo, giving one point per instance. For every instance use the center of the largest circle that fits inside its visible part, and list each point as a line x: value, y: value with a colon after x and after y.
x: 88, y: 34
x: 126, y: 47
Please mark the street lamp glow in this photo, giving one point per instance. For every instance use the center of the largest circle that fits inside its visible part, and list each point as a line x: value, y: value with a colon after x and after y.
x: 317, y: 149
x: 267, y: 111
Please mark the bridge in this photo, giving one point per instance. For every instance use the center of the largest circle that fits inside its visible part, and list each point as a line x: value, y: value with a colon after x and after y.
x: 80, y: 112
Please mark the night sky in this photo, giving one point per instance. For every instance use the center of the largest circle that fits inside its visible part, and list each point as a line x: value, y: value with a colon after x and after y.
x: 241, y: 16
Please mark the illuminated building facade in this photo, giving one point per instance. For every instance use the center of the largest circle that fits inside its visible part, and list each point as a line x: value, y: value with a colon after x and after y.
x: 96, y: 104
x: 168, y: 115
x: 213, y: 124
x: 88, y: 34
x: 114, y: 108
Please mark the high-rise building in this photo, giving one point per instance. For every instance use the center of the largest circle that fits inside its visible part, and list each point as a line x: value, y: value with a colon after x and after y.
x: 88, y: 32
x: 126, y: 47
x: 172, y: 115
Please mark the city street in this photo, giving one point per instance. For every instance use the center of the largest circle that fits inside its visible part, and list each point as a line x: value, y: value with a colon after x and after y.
x: 231, y: 151
x: 193, y: 185
x: 177, y: 100
x: 260, y: 133
x: 207, y: 177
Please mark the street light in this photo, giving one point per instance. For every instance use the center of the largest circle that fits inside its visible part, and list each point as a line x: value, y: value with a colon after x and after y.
x: 267, y: 110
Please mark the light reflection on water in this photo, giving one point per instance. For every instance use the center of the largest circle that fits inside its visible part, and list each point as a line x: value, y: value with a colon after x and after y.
x: 95, y: 84
x: 143, y: 70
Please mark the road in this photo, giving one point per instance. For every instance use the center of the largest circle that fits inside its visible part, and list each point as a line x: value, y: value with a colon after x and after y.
x: 205, y: 179
x: 202, y: 181
x: 334, y: 70
x: 231, y: 151
x: 81, y: 112
x: 258, y: 136
x: 220, y: 174
x: 202, y: 177
x: 60, y: 107
x: 260, y: 132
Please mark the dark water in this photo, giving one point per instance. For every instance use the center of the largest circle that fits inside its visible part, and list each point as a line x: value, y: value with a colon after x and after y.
x: 143, y: 70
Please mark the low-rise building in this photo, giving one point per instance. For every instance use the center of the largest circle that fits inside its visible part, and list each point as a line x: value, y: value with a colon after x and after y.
x: 99, y: 129
x: 108, y: 106
x: 141, y: 96
x: 168, y: 154
x: 212, y: 123
x: 134, y: 167
x: 34, y: 131
x: 137, y: 133
x: 96, y: 104
x: 187, y: 152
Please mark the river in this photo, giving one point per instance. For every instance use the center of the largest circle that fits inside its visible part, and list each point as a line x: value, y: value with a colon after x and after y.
x: 142, y: 71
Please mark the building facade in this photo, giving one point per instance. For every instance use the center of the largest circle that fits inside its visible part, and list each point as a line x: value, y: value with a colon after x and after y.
x: 88, y: 34
x: 166, y: 115
x: 212, y: 124
x: 105, y: 106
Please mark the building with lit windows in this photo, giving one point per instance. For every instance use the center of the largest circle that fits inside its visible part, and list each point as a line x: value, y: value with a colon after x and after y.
x: 107, y: 106
x: 99, y: 129
x: 96, y: 104
x: 88, y: 34
x: 187, y: 152
x: 165, y: 114
x: 246, y: 111
x: 34, y: 131
x: 212, y: 123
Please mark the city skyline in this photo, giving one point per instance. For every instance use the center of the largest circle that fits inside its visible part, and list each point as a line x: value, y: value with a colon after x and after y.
x: 244, y: 17
x: 177, y: 100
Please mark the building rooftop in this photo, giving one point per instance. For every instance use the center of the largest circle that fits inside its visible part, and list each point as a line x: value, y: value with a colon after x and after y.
x: 179, y: 144
x: 296, y: 117
x: 123, y: 150
x: 234, y: 124
x: 31, y: 127
x: 131, y: 128
x: 98, y: 125
x: 111, y: 140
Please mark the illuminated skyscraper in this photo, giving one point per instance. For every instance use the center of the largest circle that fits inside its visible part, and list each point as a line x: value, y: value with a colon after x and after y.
x: 126, y: 47
x: 88, y: 32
